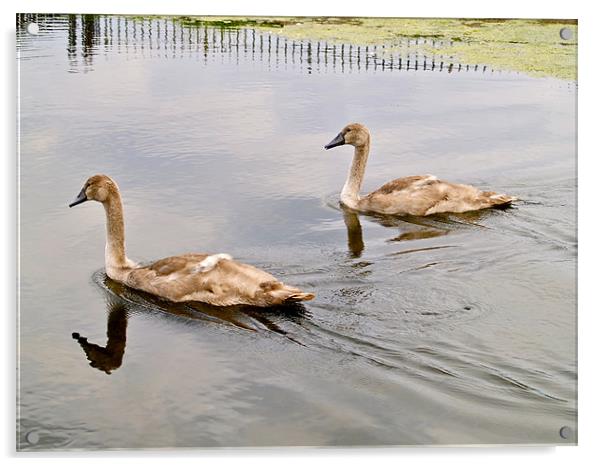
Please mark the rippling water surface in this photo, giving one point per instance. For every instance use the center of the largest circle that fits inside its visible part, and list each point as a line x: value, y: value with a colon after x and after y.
x: 455, y: 329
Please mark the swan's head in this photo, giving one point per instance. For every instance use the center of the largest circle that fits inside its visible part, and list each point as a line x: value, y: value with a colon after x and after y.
x: 97, y: 188
x: 355, y: 134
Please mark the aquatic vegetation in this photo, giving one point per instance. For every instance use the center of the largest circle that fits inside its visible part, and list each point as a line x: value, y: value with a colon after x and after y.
x: 525, y: 45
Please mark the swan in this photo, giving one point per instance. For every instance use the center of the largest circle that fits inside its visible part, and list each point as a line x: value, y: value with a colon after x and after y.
x: 412, y: 195
x: 214, y: 279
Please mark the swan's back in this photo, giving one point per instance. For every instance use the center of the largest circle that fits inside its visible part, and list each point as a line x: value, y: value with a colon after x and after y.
x: 426, y: 195
x: 213, y: 279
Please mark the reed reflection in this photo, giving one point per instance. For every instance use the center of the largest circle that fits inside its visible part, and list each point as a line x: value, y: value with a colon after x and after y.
x: 90, y: 37
x: 72, y: 41
x: 137, y: 36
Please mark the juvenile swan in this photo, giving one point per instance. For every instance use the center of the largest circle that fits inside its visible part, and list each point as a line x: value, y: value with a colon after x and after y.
x: 413, y: 195
x: 214, y: 279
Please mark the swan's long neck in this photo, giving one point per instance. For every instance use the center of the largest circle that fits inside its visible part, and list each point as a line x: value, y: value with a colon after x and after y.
x: 350, y: 195
x: 115, y: 249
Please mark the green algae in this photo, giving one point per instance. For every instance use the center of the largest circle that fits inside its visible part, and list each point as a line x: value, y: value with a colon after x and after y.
x: 231, y: 22
x: 530, y: 46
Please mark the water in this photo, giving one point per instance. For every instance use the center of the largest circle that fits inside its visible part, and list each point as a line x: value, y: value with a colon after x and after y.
x: 455, y: 329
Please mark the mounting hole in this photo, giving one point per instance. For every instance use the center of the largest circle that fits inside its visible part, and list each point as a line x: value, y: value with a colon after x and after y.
x: 32, y: 437
x: 565, y: 432
x: 32, y: 28
x: 566, y: 34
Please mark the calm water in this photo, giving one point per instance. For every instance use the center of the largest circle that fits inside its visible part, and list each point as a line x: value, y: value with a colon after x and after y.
x: 445, y: 330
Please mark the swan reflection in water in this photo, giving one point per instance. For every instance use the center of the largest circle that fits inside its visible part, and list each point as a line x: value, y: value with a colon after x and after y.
x: 108, y: 358
x: 410, y: 227
x: 123, y: 302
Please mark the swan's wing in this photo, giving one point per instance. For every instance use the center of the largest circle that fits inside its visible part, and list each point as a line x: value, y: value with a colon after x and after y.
x: 408, y: 182
x: 410, y: 195
x: 169, y: 277
x: 174, y: 264
x: 231, y: 282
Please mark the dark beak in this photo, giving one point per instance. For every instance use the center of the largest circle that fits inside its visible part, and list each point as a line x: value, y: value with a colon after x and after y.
x: 339, y: 140
x: 81, y: 197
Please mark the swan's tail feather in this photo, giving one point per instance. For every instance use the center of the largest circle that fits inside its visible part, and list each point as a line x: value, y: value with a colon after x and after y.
x: 300, y: 297
x: 499, y: 200
x: 279, y: 293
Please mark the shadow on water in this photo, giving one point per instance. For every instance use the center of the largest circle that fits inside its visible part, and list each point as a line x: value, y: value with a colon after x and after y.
x: 123, y: 302
x: 410, y: 228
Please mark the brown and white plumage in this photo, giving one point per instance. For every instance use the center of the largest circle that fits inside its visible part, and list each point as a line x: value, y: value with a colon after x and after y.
x: 412, y: 195
x: 215, y: 279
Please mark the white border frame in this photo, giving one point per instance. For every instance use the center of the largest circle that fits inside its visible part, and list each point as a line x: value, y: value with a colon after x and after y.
x: 589, y: 309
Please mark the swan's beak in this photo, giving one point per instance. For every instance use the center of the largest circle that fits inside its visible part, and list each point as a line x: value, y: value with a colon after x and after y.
x: 81, y: 197
x: 339, y: 140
